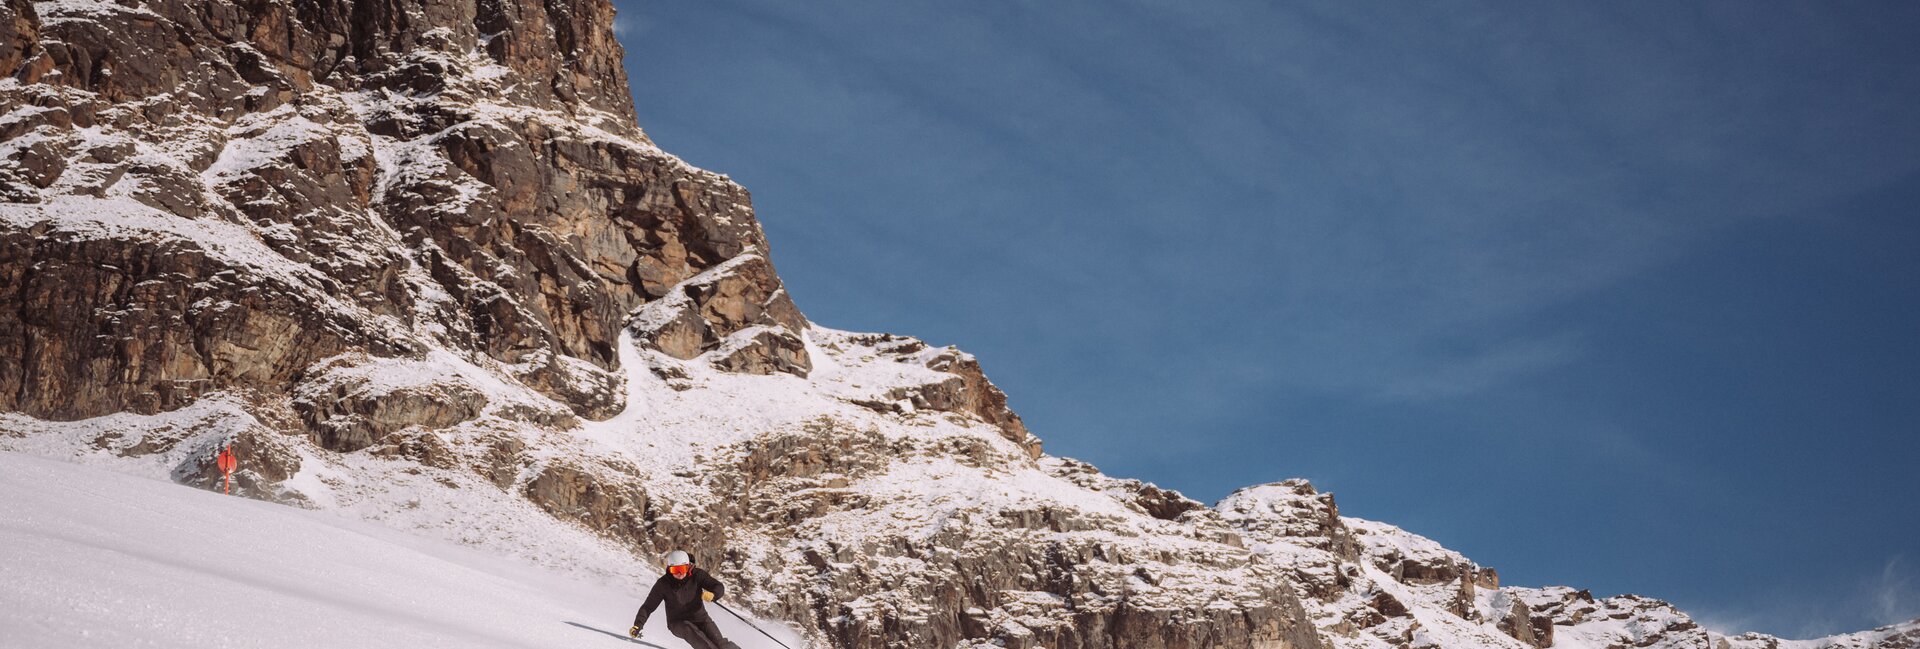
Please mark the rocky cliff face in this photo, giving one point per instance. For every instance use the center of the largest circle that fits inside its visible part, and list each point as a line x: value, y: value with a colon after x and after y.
x: 274, y: 184
x: 1371, y: 585
x: 416, y: 262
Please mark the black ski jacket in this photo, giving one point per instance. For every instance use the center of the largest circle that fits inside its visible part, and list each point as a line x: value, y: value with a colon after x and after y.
x: 682, y: 597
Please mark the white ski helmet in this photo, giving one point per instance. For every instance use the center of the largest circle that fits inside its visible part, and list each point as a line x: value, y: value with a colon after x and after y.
x: 678, y: 558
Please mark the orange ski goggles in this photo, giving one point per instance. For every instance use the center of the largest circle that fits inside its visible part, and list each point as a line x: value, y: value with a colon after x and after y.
x: 680, y: 571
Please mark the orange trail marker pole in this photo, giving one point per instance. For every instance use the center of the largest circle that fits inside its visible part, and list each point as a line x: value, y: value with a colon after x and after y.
x: 227, y: 463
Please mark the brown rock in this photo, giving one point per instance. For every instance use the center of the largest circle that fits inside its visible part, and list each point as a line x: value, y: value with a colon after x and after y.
x: 103, y: 325
x: 738, y: 309
x: 1523, y: 625
x: 1462, y: 602
x: 967, y: 391
x: 19, y: 35
x: 545, y: 234
x: 351, y: 411
x: 1387, y: 605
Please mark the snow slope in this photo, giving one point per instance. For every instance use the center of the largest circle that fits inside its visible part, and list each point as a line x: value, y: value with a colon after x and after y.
x: 102, y: 559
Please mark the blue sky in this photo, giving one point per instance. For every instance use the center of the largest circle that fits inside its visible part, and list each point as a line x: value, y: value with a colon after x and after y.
x: 1616, y: 295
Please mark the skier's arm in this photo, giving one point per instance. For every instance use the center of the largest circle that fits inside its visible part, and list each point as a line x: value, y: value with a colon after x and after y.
x: 654, y: 597
x: 712, y: 585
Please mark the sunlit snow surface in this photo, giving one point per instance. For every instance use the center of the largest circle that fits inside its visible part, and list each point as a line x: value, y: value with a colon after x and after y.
x: 95, y: 558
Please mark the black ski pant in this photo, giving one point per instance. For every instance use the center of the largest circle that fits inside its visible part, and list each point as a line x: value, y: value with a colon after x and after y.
x: 700, y: 633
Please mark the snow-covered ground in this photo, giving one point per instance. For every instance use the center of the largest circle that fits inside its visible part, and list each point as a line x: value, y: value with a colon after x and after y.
x: 95, y: 558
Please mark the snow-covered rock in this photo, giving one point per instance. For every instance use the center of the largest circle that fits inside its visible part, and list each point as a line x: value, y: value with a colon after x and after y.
x: 416, y: 264
x: 1370, y: 584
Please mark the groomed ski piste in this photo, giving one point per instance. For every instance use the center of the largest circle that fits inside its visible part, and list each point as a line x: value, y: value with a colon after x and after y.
x: 95, y: 558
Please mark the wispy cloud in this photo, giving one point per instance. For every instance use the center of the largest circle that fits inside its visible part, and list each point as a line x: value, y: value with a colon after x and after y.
x: 1884, y: 596
x: 625, y: 25
x: 1724, y: 623
x: 1894, y: 597
x: 1468, y: 374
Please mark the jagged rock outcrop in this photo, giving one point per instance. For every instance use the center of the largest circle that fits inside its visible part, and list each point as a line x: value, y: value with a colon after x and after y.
x: 1369, y: 584
x: 349, y: 410
x: 737, y: 312
x: 1524, y: 625
x: 294, y: 181
x: 955, y: 383
x: 1896, y: 636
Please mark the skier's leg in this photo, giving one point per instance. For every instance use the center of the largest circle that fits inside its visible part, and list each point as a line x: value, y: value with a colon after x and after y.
x: 713, y: 634
x: 691, y: 632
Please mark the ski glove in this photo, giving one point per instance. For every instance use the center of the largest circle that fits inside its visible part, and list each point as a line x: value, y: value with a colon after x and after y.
x: 706, y: 595
x: 634, y: 633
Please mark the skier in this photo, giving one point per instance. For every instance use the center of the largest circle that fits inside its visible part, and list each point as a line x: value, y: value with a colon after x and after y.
x: 683, y: 589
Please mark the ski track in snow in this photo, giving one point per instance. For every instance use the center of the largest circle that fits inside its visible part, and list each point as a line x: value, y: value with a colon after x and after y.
x: 103, y: 559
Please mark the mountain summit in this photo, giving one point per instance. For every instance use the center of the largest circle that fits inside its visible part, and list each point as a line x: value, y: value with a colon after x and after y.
x: 415, y: 263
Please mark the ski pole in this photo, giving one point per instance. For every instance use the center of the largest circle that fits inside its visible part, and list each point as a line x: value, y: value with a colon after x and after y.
x: 750, y: 623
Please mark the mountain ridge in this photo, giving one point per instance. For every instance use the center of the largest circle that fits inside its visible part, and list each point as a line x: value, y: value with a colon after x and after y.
x: 418, y: 264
